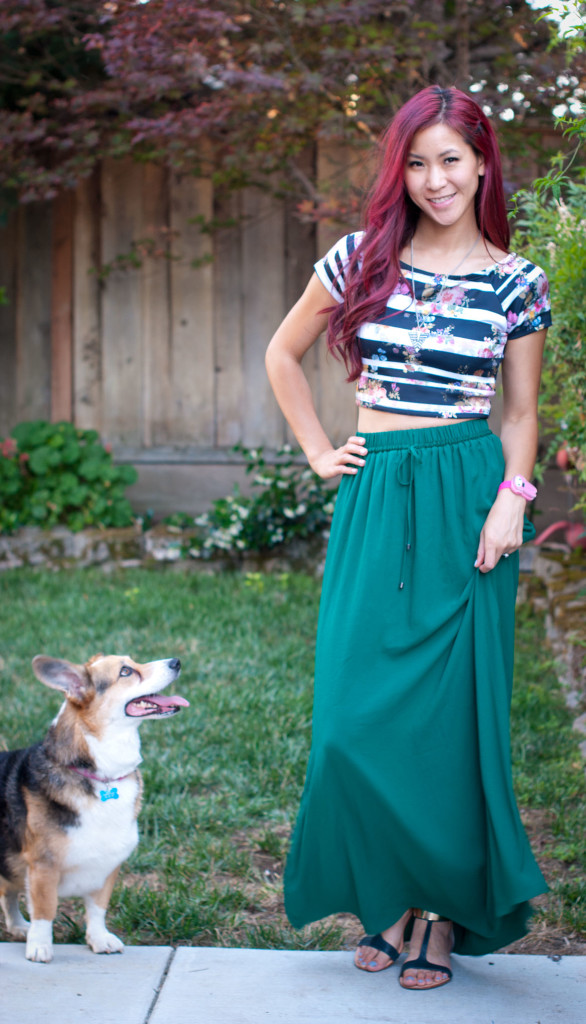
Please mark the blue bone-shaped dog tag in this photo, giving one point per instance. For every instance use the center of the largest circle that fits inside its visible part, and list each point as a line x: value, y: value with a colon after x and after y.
x: 109, y: 794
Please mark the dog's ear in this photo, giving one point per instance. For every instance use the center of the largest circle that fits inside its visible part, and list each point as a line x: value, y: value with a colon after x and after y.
x: 63, y: 675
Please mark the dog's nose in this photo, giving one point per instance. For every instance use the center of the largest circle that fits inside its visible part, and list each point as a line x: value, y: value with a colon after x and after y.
x: 174, y: 663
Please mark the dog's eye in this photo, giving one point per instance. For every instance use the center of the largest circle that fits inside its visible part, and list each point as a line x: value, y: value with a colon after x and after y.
x: 126, y: 670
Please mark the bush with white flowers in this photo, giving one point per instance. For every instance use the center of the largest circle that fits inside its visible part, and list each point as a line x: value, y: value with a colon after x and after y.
x: 287, y: 501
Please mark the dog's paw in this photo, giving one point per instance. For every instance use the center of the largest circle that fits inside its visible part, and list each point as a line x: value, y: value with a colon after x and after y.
x: 104, y: 942
x: 39, y: 954
x: 39, y: 942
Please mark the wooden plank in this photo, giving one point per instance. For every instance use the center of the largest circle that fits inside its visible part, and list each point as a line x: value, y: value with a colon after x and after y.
x: 8, y: 241
x: 263, y: 308
x: 61, y: 308
x: 87, y: 340
x: 121, y: 303
x: 300, y: 255
x: 334, y: 396
x: 33, y: 312
x: 192, y: 341
x: 155, y: 300
x: 228, y: 345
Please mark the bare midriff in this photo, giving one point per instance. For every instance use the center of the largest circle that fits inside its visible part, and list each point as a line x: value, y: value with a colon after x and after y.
x: 372, y: 420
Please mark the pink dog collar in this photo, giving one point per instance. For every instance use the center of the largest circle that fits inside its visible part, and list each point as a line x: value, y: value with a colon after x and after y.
x: 111, y: 792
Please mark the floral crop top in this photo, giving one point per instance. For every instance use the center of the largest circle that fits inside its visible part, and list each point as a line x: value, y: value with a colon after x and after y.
x: 439, y: 355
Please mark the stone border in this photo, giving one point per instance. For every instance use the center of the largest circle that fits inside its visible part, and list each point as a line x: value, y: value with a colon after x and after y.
x: 130, y: 547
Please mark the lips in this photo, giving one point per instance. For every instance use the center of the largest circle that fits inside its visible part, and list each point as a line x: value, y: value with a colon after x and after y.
x: 153, y: 705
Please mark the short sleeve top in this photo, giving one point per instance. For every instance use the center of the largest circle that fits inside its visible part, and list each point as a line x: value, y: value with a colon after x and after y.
x: 438, y: 355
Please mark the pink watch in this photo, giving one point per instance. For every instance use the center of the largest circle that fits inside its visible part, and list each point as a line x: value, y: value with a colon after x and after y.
x: 519, y: 485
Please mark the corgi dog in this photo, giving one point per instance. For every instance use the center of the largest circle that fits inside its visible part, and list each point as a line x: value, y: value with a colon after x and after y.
x: 69, y: 804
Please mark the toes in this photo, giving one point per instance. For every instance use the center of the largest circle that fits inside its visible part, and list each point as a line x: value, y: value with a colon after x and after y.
x: 423, y: 979
x: 371, y: 960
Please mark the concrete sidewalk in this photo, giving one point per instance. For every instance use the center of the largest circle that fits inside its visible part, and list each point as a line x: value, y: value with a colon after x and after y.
x: 159, y: 985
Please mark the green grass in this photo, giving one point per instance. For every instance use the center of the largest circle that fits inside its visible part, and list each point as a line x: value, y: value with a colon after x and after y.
x: 549, y: 779
x: 223, y: 779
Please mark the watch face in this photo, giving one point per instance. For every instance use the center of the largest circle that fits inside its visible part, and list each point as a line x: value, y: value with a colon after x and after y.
x: 522, y: 486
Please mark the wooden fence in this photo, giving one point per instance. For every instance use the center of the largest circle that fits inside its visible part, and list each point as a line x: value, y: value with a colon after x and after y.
x: 166, y: 358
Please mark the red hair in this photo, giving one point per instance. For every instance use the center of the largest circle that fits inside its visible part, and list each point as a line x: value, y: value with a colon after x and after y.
x: 373, y: 271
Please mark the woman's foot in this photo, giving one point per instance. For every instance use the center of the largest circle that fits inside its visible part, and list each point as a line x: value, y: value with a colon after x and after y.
x: 429, y: 951
x: 369, y: 958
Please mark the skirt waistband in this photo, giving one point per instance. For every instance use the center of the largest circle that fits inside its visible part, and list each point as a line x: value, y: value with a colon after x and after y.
x: 425, y: 437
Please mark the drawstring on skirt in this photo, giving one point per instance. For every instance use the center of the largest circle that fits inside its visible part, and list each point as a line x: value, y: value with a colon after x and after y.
x: 407, y: 462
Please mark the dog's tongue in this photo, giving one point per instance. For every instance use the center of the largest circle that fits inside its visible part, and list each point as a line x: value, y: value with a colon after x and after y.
x: 169, y: 702
x: 155, y: 703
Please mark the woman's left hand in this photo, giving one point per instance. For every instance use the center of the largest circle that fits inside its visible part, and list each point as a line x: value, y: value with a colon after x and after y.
x: 502, y: 532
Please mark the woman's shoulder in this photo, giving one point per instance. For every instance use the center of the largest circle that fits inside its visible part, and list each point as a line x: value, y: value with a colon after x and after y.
x: 513, y: 264
x: 346, y: 245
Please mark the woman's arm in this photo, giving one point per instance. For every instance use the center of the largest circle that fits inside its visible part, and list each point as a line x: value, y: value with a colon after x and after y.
x: 298, y: 332
x: 503, y: 530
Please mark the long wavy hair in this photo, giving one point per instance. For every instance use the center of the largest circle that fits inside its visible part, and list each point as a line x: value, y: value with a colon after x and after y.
x: 373, y: 271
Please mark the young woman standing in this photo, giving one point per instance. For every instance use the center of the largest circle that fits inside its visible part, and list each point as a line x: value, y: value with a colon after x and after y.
x: 408, y: 817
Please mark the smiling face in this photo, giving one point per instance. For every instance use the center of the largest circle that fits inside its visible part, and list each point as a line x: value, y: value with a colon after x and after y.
x: 442, y: 175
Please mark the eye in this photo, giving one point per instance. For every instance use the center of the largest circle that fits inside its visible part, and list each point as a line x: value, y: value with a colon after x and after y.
x: 415, y: 163
x: 450, y: 159
x: 126, y: 670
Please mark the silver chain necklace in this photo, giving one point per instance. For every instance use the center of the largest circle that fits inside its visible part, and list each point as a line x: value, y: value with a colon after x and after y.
x: 421, y: 333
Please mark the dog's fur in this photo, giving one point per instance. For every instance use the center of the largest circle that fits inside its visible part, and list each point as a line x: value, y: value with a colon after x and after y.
x: 62, y: 832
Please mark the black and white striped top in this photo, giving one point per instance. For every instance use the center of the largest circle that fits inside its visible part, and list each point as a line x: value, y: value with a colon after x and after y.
x: 439, y: 355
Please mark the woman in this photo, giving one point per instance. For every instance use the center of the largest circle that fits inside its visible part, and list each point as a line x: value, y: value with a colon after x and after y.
x: 408, y: 800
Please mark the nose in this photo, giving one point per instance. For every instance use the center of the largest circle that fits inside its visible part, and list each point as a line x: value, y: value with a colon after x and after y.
x: 174, y: 664
x: 435, y: 177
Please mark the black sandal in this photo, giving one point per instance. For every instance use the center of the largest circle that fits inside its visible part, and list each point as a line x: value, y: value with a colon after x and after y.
x: 422, y: 963
x: 377, y: 942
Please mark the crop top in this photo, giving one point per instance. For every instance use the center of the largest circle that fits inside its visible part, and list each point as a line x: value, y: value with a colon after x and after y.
x: 443, y: 361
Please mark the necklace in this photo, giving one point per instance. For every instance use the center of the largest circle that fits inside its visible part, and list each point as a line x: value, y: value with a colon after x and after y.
x: 422, y: 332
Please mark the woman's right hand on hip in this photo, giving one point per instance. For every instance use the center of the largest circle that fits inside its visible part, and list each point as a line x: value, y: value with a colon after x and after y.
x: 334, y: 461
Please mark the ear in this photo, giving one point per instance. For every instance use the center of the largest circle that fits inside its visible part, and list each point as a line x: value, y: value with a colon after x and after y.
x: 481, y: 165
x: 63, y: 675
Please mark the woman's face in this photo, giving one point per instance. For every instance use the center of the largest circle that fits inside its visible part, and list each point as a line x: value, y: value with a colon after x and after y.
x: 442, y: 175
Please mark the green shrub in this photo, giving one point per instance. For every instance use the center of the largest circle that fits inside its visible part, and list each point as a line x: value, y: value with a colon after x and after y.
x: 53, y: 473
x: 551, y: 233
x: 288, y: 501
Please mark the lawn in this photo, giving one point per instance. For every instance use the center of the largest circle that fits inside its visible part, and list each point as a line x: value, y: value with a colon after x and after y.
x: 223, y: 779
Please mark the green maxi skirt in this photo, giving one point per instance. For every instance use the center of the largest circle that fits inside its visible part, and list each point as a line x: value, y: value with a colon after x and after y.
x: 408, y: 800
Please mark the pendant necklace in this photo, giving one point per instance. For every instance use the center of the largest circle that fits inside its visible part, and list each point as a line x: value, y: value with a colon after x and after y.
x: 421, y: 333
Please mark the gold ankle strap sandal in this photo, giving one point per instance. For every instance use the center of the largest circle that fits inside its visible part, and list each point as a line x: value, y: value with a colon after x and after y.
x: 427, y: 915
x: 422, y: 963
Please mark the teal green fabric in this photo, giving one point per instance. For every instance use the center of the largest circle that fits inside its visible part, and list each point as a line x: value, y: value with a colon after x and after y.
x: 408, y: 799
